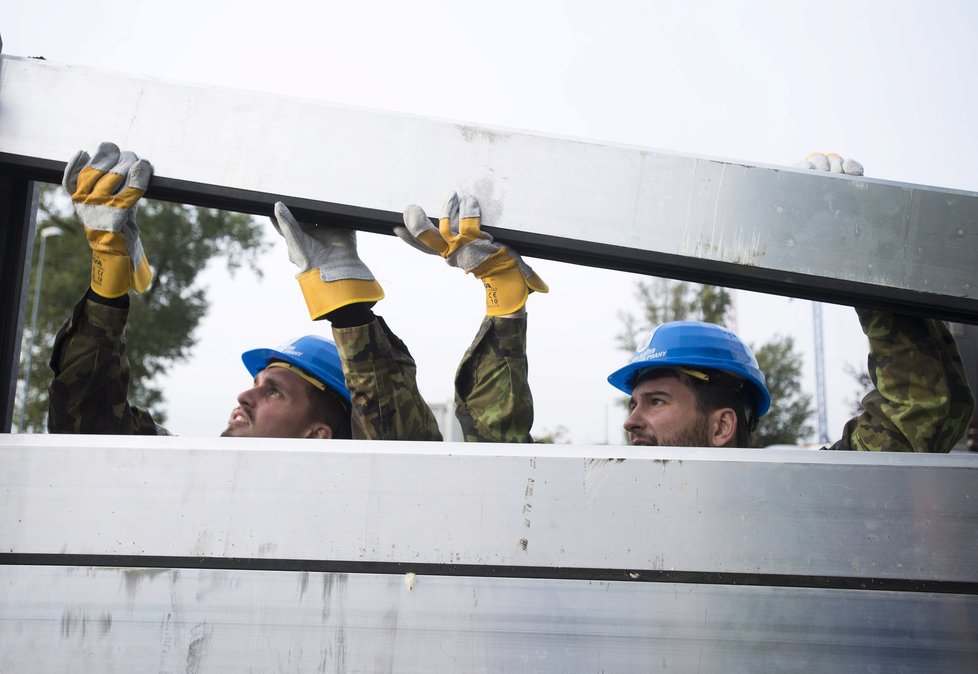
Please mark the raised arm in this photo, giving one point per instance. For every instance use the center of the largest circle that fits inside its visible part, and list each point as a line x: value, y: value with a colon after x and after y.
x: 89, y: 392
x: 493, y: 402
x: 379, y: 370
x: 921, y: 400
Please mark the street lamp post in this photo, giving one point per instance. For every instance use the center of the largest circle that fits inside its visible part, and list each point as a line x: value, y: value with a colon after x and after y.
x: 45, y: 234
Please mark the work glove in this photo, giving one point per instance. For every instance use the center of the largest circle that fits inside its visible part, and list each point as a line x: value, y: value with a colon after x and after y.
x: 106, y: 190
x: 507, y: 279
x: 831, y: 162
x: 331, y: 274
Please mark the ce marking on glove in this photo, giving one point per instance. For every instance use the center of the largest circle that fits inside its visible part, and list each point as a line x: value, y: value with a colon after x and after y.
x: 98, y: 270
x: 491, y: 294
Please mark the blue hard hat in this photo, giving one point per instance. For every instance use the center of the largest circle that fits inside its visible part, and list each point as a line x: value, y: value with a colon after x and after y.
x: 696, y: 345
x: 314, y: 355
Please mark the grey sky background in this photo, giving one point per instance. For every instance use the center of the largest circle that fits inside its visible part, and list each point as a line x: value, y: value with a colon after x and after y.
x: 891, y: 84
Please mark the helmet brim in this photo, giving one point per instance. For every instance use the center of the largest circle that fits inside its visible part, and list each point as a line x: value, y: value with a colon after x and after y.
x: 257, y: 360
x: 624, y: 378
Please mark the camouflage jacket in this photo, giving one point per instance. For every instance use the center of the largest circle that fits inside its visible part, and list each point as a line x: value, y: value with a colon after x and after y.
x: 90, y: 389
x: 921, y: 400
x: 492, y: 392
x: 89, y: 392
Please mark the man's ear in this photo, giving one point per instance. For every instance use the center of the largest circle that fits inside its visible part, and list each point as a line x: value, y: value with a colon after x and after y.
x: 723, y: 428
x: 320, y: 431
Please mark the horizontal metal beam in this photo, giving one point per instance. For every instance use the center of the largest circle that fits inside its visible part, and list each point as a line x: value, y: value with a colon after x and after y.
x: 101, y: 619
x: 391, y: 559
x: 771, y: 229
x: 783, y: 518
x: 269, y: 554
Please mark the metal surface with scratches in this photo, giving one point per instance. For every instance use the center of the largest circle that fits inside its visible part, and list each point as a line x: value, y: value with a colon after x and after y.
x: 138, y: 554
x: 767, y: 228
x: 72, y: 619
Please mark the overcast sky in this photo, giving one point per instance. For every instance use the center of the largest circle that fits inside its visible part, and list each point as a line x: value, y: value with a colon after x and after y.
x: 891, y: 84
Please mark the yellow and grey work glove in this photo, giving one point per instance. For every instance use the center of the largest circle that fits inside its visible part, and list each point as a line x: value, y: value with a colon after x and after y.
x: 831, y: 162
x: 331, y: 274
x: 106, y: 190
x: 507, y: 279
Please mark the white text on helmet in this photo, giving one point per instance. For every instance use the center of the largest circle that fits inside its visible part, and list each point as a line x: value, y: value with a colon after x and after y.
x: 648, y: 354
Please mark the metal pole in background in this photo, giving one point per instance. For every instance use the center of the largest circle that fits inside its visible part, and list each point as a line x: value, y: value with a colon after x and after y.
x: 28, y: 358
x: 821, y: 398
x: 18, y: 206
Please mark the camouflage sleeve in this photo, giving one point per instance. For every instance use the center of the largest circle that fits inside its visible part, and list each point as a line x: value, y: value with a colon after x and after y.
x: 91, y: 376
x: 492, y: 391
x: 921, y: 401
x: 381, y: 376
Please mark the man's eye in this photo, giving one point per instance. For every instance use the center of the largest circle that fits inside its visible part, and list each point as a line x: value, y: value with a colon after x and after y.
x: 275, y: 393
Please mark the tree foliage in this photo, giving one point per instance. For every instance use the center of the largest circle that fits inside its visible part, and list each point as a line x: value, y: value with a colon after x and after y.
x: 179, y: 241
x: 788, y: 422
x: 664, y: 300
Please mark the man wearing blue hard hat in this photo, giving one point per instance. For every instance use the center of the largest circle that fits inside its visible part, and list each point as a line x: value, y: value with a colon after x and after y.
x: 298, y: 392
x: 697, y: 384
x: 692, y: 365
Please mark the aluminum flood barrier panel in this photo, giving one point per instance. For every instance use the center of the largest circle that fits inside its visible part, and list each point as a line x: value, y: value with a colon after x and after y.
x: 153, y: 554
x: 772, y: 229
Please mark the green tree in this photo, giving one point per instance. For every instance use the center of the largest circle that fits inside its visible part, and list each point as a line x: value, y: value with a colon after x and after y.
x: 180, y: 241
x: 663, y: 300
x: 788, y: 422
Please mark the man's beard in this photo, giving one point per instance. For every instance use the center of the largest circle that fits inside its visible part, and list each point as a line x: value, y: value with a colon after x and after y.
x: 697, y: 435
